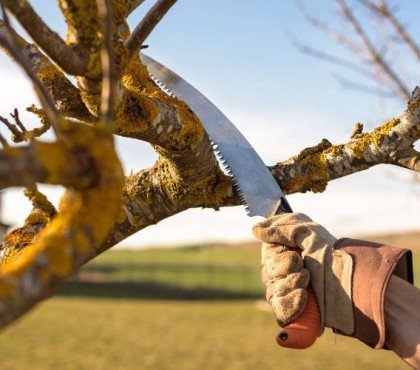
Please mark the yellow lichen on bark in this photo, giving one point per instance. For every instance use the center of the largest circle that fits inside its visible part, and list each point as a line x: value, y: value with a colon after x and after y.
x: 138, y: 83
x: 85, y: 215
x: 374, y: 138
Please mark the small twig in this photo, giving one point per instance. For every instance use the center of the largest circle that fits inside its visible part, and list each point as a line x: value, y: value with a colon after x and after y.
x: 12, y: 46
x: 332, y: 59
x: 357, y: 131
x: 375, y: 54
x: 12, y: 128
x: 3, y: 142
x: 382, y: 11
x: 15, y: 116
x: 348, y: 84
x: 108, y: 70
x: 342, y: 39
x: 147, y: 25
x: 19, y: 132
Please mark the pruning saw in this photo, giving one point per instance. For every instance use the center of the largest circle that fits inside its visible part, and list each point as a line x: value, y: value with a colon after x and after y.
x: 260, y: 193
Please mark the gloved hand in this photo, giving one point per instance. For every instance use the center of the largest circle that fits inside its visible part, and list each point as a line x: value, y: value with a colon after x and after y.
x: 349, y: 276
x: 286, y: 280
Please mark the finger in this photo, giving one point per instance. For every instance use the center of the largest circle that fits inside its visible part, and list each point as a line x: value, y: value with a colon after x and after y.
x: 270, y: 250
x: 282, y: 287
x: 265, y: 231
x: 288, y: 308
x: 281, y: 265
x: 301, y: 235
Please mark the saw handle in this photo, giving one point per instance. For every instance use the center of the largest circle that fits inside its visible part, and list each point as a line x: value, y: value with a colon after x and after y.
x: 302, y: 332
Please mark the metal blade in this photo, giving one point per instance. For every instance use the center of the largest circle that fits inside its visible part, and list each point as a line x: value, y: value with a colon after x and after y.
x: 257, y: 187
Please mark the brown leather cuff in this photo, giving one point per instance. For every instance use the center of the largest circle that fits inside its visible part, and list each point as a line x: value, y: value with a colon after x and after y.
x: 373, y: 265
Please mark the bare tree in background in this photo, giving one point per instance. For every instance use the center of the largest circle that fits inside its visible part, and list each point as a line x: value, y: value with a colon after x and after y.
x: 378, y: 45
x: 116, y: 96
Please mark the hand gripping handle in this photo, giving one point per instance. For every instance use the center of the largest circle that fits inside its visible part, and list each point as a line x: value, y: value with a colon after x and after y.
x: 303, y: 331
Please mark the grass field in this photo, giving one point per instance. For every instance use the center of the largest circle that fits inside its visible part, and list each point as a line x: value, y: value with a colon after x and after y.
x: 190, y: 308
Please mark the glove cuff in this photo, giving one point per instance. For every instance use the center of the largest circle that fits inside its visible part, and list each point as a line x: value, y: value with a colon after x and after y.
x: 373, y: 265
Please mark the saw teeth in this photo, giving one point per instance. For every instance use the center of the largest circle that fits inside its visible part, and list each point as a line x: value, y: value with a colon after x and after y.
x: 227, y: 169
x: 219, y: 155
x: 162, y: 86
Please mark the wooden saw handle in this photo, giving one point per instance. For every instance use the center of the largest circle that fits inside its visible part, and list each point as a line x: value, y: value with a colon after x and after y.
x: 302, y: 332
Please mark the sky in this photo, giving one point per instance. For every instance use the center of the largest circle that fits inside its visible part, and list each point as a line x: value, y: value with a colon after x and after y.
x: 242, y: 58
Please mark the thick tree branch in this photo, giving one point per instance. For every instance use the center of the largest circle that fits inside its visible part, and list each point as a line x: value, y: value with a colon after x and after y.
x: 46, y: 38
x: 48, y: 163
x: 314, y: 167
x: 147, y: 25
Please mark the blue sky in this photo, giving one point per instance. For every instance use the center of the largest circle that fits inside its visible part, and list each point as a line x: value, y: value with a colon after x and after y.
x: 241, y: 57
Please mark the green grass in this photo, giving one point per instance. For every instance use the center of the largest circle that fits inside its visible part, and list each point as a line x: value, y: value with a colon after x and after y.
x: 86, y: 333
x: 153, y: 326
x: 199, y: 268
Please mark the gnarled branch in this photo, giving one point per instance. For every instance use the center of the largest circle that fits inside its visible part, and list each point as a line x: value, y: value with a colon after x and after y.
x: 314, y: 167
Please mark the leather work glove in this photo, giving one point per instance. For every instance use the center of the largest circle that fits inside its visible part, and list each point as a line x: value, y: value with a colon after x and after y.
x: 349, y: 277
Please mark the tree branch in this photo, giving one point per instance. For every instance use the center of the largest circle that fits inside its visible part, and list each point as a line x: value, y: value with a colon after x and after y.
x: 382, y: 11
x: 147, y: 25
x: 10, y: 43
x: 314, y: 167
x: 47, y: 39
x: 330, y: 58
x: 409, y: 159
x: 107, y: 63
x: 64, y: 94
x: 342, y: 39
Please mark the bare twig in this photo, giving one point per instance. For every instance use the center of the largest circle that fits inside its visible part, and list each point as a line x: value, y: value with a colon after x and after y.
x: 15, y: 116
x: 12, y: 128
x: 382, y: 10
x: 379, y: 91
x: 305, y: 49
x: 147, y: 25
x: 46, y: 38
x: 374, y: 53
x: 3, y: 142
x: 342, y: 39
x: 10, y: 43
x: 19, y: 132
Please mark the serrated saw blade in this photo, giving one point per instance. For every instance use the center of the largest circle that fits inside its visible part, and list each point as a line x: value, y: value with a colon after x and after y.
x: 259, y: 192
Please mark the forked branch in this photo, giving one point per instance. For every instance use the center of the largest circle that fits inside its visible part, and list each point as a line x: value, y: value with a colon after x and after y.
x: 46, y: 38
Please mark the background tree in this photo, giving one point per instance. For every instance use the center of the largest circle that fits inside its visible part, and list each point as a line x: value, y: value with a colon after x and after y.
x: 116, y: 96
